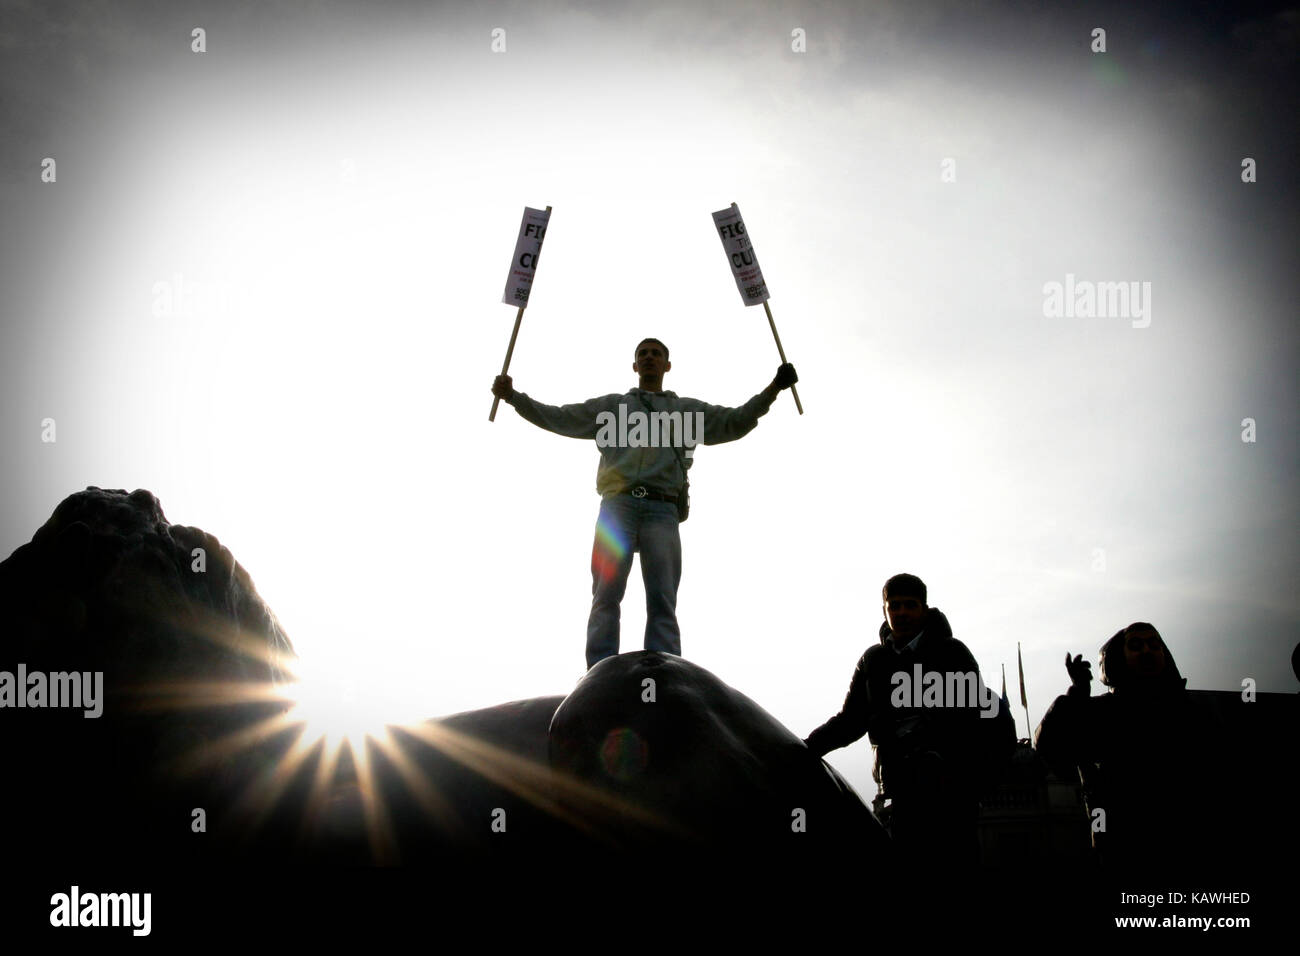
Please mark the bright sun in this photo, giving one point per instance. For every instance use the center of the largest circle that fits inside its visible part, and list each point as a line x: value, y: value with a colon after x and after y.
x: 334, y: 705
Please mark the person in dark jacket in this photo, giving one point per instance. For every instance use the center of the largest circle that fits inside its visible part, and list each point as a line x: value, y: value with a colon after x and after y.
x: 919, y: 696
x: 1139, y: 751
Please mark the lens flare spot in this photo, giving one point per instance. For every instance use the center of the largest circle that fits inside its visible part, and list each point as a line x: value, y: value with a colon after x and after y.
x: 624, y: 754
x: 610, y: 548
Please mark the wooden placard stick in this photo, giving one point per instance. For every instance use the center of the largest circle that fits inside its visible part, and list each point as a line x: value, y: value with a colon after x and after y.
x: 794, y: 389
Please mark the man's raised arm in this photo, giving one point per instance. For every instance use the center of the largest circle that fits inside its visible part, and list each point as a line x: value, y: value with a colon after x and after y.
x: 573, y: 421
x: 853, y: 720
x: 722, y: 424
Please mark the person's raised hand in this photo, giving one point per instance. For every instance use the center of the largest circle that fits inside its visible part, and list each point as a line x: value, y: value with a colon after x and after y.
x: 1080, y: 672
x: 502, y: 386
x: 785, y: 376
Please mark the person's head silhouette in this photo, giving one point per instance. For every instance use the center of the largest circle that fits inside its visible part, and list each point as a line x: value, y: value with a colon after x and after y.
x: 1138, y: 656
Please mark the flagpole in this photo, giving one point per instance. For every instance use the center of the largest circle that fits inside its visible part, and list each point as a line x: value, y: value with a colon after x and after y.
x: 794, y: 389
x: 510, y: 350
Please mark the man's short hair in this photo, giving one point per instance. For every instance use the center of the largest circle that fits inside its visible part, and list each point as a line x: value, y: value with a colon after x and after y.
x: 903, y: 585
x: 655, y: 341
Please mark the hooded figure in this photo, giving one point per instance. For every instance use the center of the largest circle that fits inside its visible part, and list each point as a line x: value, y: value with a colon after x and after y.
x: 1143, y: 752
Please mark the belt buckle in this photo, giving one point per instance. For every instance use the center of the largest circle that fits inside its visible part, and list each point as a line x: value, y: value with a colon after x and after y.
x: 639, y: 491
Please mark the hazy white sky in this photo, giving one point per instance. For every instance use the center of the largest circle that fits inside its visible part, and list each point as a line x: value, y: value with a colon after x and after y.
x: 337, y: 194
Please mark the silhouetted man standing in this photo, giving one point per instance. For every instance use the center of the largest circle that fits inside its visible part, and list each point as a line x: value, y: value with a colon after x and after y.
x: 646, y: 438
x: 919, y: 695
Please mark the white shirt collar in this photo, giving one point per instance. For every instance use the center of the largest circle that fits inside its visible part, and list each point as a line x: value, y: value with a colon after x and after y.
x: 909, y: 646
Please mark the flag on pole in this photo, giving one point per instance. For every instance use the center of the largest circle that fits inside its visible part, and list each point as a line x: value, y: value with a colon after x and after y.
x: 532, y: 230
x: 1024, y: 702
x: 1005, y: 701
x: 740, y: 255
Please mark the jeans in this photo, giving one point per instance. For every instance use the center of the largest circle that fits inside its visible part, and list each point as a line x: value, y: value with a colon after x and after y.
x: 627, y: 525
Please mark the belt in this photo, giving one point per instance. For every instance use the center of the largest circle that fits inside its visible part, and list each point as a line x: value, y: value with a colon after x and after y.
x: 641, y: 491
